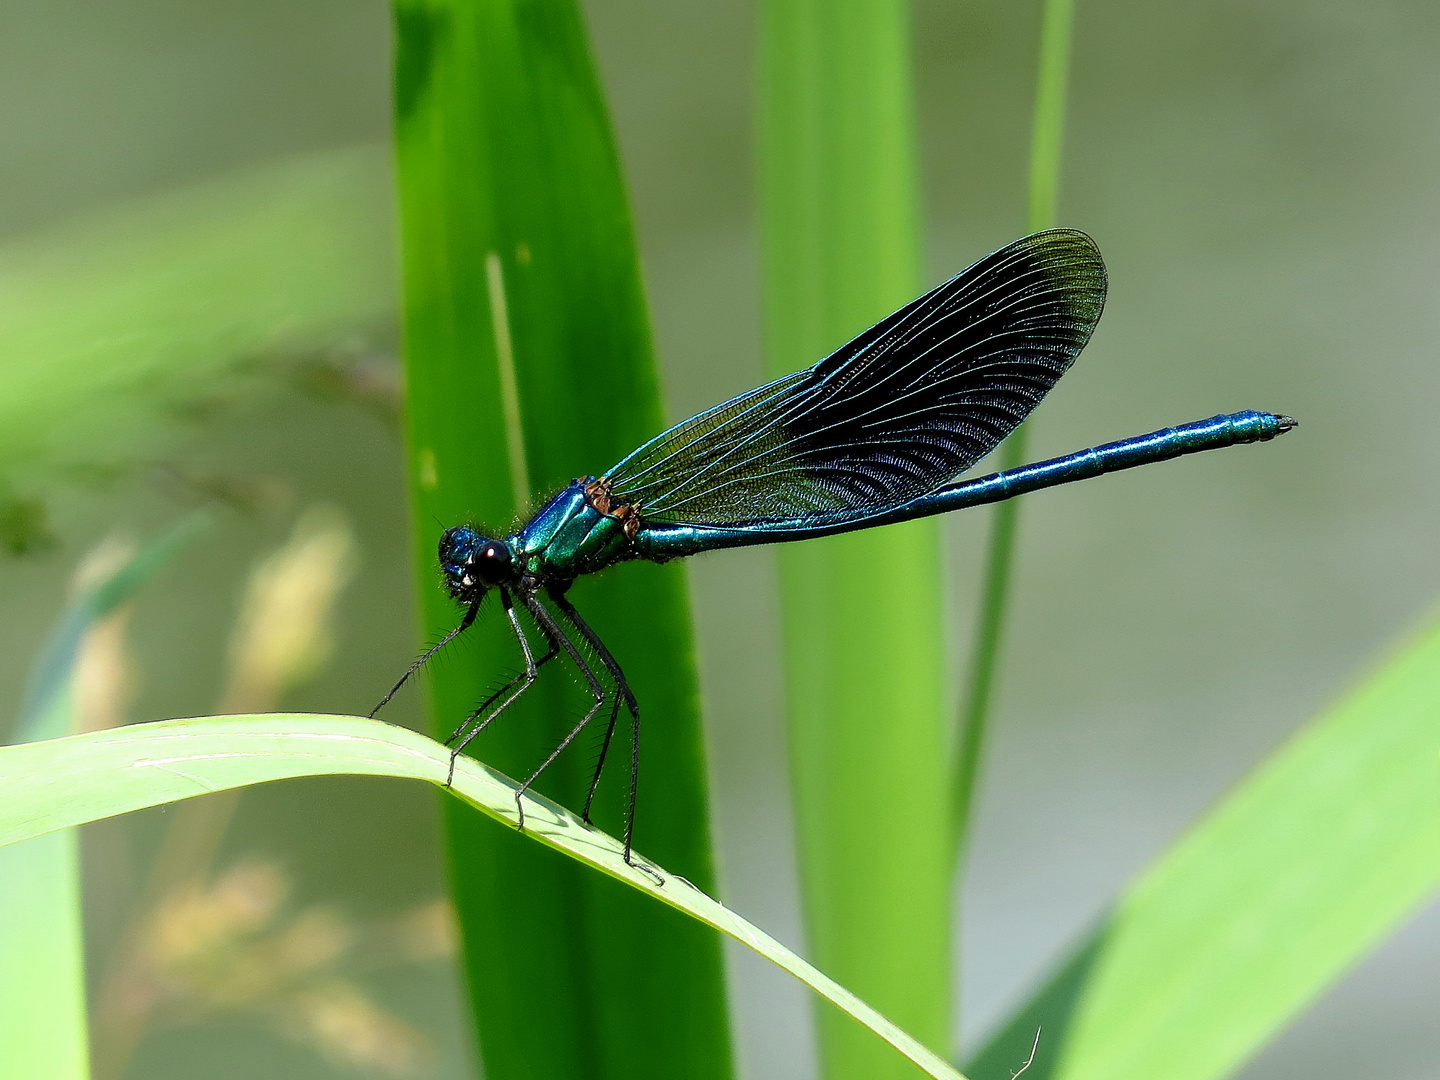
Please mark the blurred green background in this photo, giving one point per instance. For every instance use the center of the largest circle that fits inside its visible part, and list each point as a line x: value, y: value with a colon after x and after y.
x: 1261, y: 180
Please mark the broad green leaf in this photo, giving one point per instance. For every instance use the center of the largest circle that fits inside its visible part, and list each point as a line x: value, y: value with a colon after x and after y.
x: 865, y: 673
x: 1260, y: 907
x: 62, y: 783
x: 112, y: 321
x: 529, y: 363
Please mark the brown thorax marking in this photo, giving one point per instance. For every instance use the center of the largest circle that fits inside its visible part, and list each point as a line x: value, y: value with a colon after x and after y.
x: 597, y: 494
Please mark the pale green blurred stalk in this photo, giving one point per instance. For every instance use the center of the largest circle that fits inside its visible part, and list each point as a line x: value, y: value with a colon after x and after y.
x: 44, y: 1022
x: 44, y: 1029
x: 862, y: 614
x: 44, y: 1025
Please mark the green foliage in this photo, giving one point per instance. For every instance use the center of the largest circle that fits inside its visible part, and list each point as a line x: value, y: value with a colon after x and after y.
x: 66, y: 782
x: 529, y: 362
x: 864, y: 651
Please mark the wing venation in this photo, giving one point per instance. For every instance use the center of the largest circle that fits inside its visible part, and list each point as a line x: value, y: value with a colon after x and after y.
x: 899, y: 411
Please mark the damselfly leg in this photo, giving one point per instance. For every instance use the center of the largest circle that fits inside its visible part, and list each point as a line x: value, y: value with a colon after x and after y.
x: 465, y: 624
x: 622, y: 689
x: 479, y: 710
x: 556, y: 633
x: 600, y: 760
x: 489, y: 710
x: 525, y: 679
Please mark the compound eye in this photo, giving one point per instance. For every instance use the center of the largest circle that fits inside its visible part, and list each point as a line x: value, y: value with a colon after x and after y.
x: 493, y: 562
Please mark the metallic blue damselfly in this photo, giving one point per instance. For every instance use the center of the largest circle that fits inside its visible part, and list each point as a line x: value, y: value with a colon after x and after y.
x: 873, y: 434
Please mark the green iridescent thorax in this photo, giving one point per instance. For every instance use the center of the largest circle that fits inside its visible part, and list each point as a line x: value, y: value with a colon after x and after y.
x: 569, y: 537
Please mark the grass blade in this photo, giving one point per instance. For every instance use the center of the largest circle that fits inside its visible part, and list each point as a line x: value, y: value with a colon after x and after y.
x: 1047, y: 134
x: 1292, y: 878
x: 865, y: 673
x: 59, y: 784
x: 529, y: 363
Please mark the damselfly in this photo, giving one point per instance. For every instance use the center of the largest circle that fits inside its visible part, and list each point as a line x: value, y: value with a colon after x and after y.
x: 874, y: 433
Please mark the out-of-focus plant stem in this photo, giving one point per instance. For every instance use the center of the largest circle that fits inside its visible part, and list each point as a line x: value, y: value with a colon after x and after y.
x: 1046, y: 143
x: 865, y: 671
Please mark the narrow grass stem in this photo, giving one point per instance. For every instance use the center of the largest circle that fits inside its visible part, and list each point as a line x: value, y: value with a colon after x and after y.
x: 1047, y: 133
x: 1046, y: 141
x: 990, y: 629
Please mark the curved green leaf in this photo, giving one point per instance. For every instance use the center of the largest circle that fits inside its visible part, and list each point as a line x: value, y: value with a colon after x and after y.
x: 67, y: 782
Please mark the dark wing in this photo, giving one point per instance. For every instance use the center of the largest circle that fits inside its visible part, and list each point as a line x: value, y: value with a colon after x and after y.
x: 905, y: 407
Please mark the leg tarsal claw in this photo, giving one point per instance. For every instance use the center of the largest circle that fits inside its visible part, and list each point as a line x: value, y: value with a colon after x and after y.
x: 648, y: 871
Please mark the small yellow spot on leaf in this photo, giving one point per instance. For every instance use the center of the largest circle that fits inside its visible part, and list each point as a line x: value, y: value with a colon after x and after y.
x: 425, y: 466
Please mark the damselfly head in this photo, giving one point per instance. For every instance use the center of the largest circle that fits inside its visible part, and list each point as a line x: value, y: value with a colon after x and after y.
x: 473, y: 563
